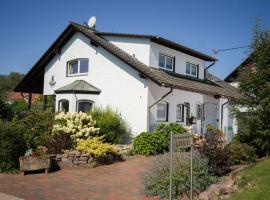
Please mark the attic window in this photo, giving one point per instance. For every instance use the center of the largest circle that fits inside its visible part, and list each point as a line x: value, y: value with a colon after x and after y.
x: 77, y: 67
x: 166, y: 62
x: 192, y: 69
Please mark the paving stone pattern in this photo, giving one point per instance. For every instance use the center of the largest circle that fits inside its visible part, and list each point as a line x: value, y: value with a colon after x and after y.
x: 119, y: 181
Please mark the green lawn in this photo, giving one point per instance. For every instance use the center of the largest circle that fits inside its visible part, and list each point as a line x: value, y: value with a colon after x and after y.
x: 254, y: 183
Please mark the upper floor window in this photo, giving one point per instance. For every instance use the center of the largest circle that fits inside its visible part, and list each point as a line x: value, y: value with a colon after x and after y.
x: 192, y: 69
x: 77, y: 67
x: 166, y: 62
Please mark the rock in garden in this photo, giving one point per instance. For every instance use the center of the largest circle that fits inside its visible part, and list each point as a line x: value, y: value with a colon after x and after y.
x: 216, y: 189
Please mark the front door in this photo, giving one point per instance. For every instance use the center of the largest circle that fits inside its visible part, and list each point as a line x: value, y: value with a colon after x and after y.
x: 210, y: 111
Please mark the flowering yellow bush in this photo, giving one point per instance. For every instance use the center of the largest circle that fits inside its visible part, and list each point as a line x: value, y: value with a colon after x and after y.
x: 80, y: 125
x: 96, y: 148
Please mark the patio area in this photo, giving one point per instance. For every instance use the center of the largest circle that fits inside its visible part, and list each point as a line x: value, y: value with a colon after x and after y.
x: 119, y: 181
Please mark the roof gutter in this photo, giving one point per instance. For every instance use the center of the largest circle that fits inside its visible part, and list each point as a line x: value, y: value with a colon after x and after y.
x: 156, y: 102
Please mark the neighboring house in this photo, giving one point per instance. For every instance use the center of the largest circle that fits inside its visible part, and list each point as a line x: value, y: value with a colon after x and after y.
x: 149, y: 79
x: 16, y: 96
x: 233, y: 77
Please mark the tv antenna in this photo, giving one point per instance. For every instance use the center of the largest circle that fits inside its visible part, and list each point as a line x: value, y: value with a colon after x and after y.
x: 215, y: 51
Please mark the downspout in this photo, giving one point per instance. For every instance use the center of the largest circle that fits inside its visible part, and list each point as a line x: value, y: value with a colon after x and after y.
x: 222, y: 109
x: 24, y: 97
x: 156, y: 102
x: 76, y: 101
x: 205, y: 69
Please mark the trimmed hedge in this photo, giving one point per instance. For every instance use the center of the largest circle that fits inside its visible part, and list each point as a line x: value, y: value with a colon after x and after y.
x: 150, y: 143
x: 147, y: 144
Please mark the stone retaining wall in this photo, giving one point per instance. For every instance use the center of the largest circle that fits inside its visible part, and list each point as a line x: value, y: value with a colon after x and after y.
x: 77, y: 159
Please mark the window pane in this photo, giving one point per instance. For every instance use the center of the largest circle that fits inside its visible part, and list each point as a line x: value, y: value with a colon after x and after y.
x: 188, y: 68
x: 179, y: 112
x: 169, y: 63
x: 161, y: 60
x: 84, y: 106
x: 194, y: 70
x: 161, y: 111
x: 73, y: 67
x: 83, y: 65
x: 64, y: 106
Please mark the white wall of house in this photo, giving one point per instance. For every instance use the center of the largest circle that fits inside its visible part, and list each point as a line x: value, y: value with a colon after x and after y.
x: 180, y: 59
x: 175, y: 98
x: 148, y: 53
x: 120, y: 85
x: 138, y: 47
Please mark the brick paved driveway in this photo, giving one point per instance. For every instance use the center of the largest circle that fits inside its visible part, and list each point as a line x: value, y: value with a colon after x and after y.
x: 119, y: 181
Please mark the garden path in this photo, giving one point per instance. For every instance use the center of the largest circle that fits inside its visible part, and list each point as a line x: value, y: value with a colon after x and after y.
x: 119, y: 181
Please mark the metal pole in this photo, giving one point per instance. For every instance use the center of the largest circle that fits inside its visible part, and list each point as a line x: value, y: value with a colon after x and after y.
x: 171, y: 165
x: 191, y: 170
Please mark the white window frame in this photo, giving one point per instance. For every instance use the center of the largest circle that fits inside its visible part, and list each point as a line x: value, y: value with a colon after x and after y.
x: 165, y: 62
x: 83, y: 100
x: 60, y: 105
x: 166, y: 112
x: 79, y: 66
x: 190, y: 65
x: 181, y: 106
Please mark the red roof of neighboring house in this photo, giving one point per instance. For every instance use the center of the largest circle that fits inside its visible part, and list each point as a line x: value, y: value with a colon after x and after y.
x: 13, y: 96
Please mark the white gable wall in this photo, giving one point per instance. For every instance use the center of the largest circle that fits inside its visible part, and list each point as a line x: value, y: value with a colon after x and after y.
x: 140, y: 47
x: 180, y: 59
x: 120, y: 85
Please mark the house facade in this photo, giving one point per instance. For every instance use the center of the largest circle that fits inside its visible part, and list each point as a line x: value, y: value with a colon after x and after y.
x: 147, y: 78
x: 233, y: 80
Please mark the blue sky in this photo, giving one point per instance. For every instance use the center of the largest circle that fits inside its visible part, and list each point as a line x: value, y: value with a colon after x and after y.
x: 29, y: 27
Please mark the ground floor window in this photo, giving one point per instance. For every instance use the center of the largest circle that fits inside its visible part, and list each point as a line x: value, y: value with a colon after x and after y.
x: 162, y: 111
x: 63, y: 105
x: 84, y: 105
x: 180, y: 113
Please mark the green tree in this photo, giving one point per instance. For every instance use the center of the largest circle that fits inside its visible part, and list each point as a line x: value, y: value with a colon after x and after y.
x: 254, y: 79
x: 9, y: 82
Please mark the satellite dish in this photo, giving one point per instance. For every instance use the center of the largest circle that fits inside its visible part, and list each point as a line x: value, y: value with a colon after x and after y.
x: 92, y: 22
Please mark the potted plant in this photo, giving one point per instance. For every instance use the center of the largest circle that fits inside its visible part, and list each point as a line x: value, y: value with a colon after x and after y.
x: 35, y: 160
x: 192, y: 120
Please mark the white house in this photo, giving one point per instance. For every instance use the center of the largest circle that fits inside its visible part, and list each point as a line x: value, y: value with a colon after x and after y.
x: 233, y: 79
x: 149, y: 79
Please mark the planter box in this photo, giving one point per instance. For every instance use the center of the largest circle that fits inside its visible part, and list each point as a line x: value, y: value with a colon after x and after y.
x: 32, y: 163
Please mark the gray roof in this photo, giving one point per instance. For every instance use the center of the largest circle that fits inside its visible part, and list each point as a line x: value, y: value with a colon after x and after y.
x: 160, y: 77
x: 79, y: 87
x: 162, y: 41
